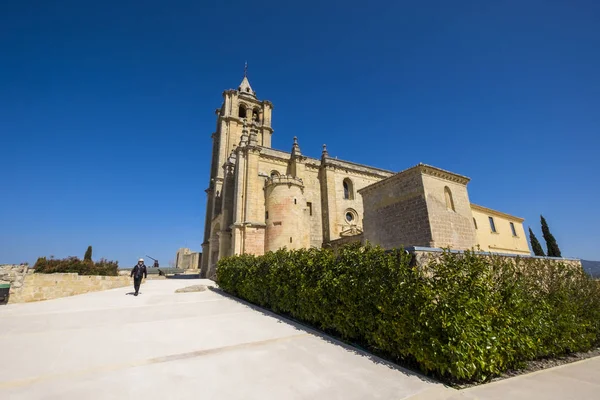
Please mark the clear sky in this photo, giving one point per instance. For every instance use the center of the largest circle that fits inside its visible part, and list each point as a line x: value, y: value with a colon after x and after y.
x: 107, y: 108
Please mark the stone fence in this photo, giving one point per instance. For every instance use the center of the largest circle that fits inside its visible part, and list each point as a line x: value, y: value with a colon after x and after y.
x: 27, y: 286
x: 424, y: 255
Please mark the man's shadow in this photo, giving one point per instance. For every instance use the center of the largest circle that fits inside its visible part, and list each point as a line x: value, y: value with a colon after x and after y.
x: 132, y: 293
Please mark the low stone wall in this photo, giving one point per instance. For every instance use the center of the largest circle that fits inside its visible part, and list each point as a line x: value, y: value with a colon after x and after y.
x: 27, y: 286
x: 424, y: 255
x: 14, y: 275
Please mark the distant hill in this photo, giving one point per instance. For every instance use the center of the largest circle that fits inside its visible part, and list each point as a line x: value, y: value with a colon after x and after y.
x: 591, y: 267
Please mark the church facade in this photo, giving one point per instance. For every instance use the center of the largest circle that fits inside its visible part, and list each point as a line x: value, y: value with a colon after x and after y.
x: 260, y: 199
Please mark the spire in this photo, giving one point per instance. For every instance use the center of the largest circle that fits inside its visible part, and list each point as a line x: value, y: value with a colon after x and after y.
x: 296, y: 148
x: 245, y: 87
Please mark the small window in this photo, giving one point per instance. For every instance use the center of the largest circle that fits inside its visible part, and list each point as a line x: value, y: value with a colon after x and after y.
x: 309, y: 205
x: 242, y: 112
x: 348, y: 190
x: 475, y: 223
x: 290, y: 239
x: 449, y: 200
x: 295, y: 201
x: 266, y: 215
x: 274, y: 174
x: 349, y: 217
x: 512, y: 228
x: 492, y: 225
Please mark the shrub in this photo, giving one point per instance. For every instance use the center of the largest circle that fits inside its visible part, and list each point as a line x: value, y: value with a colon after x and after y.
x: 75, y: 265
x: 88, y: 254
x: 462, y: 316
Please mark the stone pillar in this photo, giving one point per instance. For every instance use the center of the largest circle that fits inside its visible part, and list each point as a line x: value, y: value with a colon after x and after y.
x: 328, y: 203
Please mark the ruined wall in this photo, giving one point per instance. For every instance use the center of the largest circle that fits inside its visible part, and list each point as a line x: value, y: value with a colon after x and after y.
x: 14, y: 275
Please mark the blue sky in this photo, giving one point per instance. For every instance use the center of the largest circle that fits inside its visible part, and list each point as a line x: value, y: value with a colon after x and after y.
x: 107, y: 108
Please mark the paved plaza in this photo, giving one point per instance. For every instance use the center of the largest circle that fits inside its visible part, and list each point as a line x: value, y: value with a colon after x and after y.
x: 204, y: 345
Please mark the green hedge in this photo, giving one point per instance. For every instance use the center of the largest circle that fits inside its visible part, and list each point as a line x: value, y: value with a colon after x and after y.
x: 74, y: 264
x: 462, y: 317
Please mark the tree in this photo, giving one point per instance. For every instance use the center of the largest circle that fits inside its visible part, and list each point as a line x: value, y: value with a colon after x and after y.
x: 88, y: 254
x: 553, y: 250
x: 535, y: 244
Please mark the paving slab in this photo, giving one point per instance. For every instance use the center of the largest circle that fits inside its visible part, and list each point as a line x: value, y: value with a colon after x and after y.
x: 576, y: 381
x: 167, y: 345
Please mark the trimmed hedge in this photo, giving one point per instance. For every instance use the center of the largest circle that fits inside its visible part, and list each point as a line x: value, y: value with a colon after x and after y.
x: 461, y: 317
x: 75, y: 265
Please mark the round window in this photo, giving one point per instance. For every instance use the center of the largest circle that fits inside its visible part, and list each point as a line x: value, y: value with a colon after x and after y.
x: 349, y: 217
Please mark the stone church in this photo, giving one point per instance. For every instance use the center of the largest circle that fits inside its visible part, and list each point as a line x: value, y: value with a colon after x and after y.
x: 260, y: 199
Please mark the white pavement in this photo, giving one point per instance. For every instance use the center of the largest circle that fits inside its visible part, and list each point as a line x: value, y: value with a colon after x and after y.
x: 163, y: 345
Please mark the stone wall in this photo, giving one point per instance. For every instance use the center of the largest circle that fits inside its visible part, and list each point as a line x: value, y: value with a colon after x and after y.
x: 13, y: 274
x: 396, y: 212
x: 187, y: 259
x: 424, y: 255
x: 27, y: 286
x: 449, y: 209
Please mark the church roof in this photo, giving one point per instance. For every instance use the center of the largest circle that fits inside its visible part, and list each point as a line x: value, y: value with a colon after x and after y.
x: 245, y: 87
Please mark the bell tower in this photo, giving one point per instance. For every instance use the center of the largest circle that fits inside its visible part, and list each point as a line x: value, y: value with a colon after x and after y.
x: 240, y: 108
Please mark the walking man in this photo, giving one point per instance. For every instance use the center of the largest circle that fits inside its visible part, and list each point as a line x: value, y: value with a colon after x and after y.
x: 138, y: 272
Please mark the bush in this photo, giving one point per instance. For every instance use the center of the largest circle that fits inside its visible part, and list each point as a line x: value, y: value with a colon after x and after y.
x: 463, y: 316
x: 75, y: 265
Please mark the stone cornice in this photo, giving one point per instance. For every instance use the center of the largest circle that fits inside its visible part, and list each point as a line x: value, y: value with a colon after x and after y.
x: 248, y: 224
x: 486, y: 210
x: 332, y: 163
x: 441, y: 173
x: 423, y: 169
x: 284, y: 180
x: 283, y: 161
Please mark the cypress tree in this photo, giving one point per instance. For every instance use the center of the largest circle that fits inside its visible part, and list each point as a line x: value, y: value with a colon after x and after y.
x: 553, y: 250
x: 88, y: 254
x: 535, y: 244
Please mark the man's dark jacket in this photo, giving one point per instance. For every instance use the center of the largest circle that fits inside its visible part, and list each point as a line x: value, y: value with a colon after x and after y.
x: 138, y: 271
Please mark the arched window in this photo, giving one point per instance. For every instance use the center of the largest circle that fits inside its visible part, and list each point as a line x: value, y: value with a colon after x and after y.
x: 274, y: 174
x: 348, y: 189
x: 255, y: 115
x: 242, y: 111
x: 449, y: 200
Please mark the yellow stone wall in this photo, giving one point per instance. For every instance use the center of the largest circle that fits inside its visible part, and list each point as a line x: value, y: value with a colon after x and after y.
x: 503, y: 240
x: 287, y: 224
x: 451, y: 224
x: 38, y: 287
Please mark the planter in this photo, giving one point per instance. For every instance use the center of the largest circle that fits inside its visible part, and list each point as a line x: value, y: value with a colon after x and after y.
x: 4, y: 289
